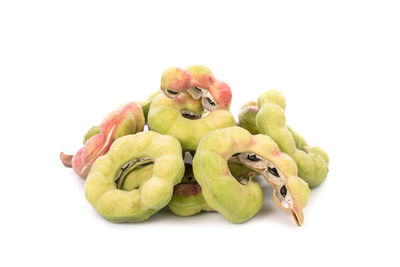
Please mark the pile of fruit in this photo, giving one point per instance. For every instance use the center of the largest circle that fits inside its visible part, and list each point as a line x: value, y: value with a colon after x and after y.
x: 195, y: 157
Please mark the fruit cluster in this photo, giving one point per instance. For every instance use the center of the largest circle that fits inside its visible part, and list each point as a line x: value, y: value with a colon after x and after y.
x: 195, y: 157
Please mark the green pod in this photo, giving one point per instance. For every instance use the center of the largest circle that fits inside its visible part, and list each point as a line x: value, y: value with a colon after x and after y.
x: 106, y: 177
x: 145, y: 107
x: 312, y: 162
x: 137, y: 176
x: 236, y: 201
x: 247, y: 117
x: 247, y: 120
x: 188, y: 198
x: 182, y: 118
x: 92, y: 131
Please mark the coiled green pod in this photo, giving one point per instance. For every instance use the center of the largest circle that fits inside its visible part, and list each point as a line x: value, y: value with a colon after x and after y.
x: 106, y: 177
x: 312, y: 162
x: 182, y: 118
x: 239, y: 202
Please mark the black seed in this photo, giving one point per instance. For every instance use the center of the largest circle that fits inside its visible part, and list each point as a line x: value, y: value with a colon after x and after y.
x: 189, y: 116
x: 190, y: 178
x: 283, y: 191
x: 253, y: 158
x: 273, y: 171
x: 210, y: 101
x: 236, y: 154
x: 172, y: 92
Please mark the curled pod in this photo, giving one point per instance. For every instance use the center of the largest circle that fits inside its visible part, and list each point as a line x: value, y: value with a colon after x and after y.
x: 247, y: 120
x: 238, y: 202
x: 247, y: 117
x: 200, y: 83
x: 103, y: 187
x: 182, y: 117
x: 145, y: 107
x: 175, y: 81
x: 312, y: 162
x: 126, y: 119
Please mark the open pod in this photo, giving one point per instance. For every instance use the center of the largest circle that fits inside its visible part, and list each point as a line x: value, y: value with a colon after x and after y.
x: 199, y: 82
x: 236, y: 201
x: 104, y: 188
x: 183, y: 117
x: 312, y: 162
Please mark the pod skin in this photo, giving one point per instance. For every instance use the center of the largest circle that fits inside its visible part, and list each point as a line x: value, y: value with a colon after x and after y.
x: 181, y: 118
x: 145, y: 107
x: 247, y: 117
x: 151, y: 195
x: 247, y: 120
x: 187, y: 198
x: 312, y: 162
x: 200, y: 83
x: 238, y: 202
x: 146, y: 104
x: 126, y: 119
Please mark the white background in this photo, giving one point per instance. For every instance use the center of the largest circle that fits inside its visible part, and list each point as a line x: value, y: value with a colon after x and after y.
x: 65, y: 64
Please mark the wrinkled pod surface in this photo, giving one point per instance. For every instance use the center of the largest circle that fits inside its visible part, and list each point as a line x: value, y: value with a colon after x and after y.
x: 188, y: 198
x: 126, y: 119
x: 145, y: 107
x: 106, y: 187
x: 312, y: 162
x: 183, y: 118
x: 239, y: 202
x: 200, y: 83
x: 247, y: 120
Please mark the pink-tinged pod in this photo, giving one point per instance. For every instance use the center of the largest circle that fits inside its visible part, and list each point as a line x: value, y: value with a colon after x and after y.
x: 201, y: 76
x: 126, y: 119
x: 175, y: 81
x: 214, y: 94
x: 199, y: 82
x: 221, y: 93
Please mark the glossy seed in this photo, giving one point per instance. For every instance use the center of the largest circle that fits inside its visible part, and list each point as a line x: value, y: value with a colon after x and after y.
x: 273, y: 171
x: 253, y: 158
x: 210, y: 101
x: 283, y: 191
x: 172, y: 92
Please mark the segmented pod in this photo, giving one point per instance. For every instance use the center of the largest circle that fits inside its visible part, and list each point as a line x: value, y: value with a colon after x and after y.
x: 200, y: 83
x: 238, y: 202
x: 126, y: 119
x: 247, y: 120
x: 145, y: 107
x: 182, y: 118
x: 108, y: 173
x: 312, y: 162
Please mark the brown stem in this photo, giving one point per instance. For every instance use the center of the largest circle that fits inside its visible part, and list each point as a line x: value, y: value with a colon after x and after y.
x: 66, y: 160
